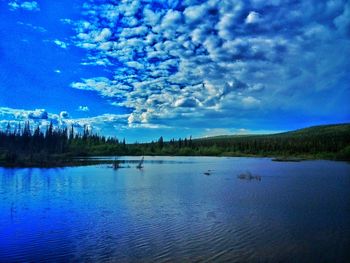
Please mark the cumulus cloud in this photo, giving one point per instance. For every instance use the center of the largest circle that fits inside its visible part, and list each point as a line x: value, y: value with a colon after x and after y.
x: 253, y: 18
x: 104, y: 86
x: 105, y: 123
x: 61, y: 43
x: 199, y: 59
x: 103, y: 35
x: 38, y: 114
x: 83, y: 108
x: 29, y: 6
x: 64, y: 115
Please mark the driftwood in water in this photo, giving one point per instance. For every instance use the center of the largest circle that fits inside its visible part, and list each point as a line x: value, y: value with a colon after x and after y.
x: 139, y: 166
x: 248, y: 176
x: 208, y: 172
x: 116, y: 164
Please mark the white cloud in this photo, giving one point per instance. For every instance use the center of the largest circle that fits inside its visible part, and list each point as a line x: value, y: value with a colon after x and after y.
x: 20, y: 114
x: 152, y: 18
x: 195, y: 14
x: 83, y: 108
x: 64, y: 115
x: 250, y: 101
x: 134, y: 31
x: 104, y: 35
x: 186, y: 102
x: 171, y: 19
x: 66, y: 21
x: 61, y: 43
x: 37, y: 114
x: 222, y: 58
x: 32, y: 6
x: 104, y: 86
x: 104, y: 124
x: 253, y: 18
x: 29, y: 6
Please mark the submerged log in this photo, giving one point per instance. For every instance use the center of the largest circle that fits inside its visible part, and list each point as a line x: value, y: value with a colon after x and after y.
x: 248, y: 176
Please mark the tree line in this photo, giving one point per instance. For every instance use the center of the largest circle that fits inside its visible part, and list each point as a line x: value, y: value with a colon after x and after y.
x: 37, y: 143
x: 33, y: 144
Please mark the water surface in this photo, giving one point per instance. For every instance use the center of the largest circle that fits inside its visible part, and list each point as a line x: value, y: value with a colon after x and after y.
x: 170, y: 210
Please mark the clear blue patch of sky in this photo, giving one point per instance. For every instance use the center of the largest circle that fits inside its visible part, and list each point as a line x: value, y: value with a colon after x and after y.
x: 29, y: 59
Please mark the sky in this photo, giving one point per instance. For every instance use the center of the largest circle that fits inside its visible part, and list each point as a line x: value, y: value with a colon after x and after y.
x: 143, y: 69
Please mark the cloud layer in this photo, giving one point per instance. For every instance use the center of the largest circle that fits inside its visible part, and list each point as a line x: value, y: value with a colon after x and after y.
x: 104, y: 123
x: 195, y: 59
x: 192, y: 65
x: 25, y: 5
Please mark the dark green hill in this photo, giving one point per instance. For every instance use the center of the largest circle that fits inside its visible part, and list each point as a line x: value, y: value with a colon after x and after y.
x: 324, y: 141
x: 319, y: 130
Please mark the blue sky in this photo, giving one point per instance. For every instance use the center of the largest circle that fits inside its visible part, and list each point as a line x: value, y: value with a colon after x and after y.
x: 142, y: 69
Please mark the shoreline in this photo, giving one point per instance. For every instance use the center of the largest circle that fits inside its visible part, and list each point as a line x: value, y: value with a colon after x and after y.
x: 89, y: 160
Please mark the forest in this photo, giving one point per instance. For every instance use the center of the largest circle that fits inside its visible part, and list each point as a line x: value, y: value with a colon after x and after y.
x: 26, y: 146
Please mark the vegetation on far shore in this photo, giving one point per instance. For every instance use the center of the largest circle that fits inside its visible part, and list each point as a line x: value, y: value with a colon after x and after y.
x: 24, y: 147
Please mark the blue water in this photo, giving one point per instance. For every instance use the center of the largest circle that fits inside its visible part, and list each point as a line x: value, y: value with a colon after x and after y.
x: 171, y: 211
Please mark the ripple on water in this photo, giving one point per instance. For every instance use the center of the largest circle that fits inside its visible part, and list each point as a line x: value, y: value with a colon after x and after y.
x: 170, y: 213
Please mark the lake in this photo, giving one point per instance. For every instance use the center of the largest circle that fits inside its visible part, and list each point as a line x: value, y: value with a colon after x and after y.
x: 171, y: 211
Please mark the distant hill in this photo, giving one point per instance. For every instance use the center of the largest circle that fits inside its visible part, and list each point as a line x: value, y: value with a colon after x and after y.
x: 323, y: 141
x: 322, y: 130
x: 319, y: 130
